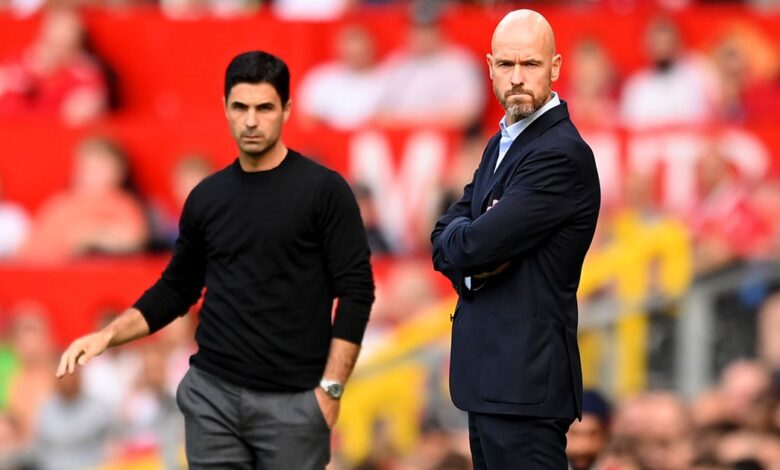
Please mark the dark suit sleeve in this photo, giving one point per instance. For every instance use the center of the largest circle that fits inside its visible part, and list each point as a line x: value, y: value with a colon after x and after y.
x: 181, y: 283
x: 460, y: 209
x: 538, y: 198
x: 347, y: 258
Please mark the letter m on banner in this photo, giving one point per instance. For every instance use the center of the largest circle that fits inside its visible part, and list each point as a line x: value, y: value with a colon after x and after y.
x: 403, y: 171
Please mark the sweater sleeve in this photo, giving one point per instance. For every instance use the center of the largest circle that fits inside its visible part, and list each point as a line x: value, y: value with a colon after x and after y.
x: 347, y: 258
x: 181, y: 283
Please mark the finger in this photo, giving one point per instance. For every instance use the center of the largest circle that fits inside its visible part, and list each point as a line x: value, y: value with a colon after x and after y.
x: 61, y: 366
x: 85, y: 357
x: 72, y: 360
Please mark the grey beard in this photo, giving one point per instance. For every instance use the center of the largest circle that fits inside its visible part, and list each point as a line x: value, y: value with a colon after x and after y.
x: 519, y: 111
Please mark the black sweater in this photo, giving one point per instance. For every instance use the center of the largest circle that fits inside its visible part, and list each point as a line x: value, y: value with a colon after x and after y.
x: 273, y: 248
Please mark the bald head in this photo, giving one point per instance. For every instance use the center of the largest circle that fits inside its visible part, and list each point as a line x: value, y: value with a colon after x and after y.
x: 523, y: 63
x: 525, y: 26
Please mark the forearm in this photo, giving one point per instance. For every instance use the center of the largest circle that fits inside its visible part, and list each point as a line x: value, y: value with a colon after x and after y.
x: 341, y: 360
x: 129, y: 326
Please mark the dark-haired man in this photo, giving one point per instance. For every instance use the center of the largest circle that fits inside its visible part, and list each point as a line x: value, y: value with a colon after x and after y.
x: 275, y: 238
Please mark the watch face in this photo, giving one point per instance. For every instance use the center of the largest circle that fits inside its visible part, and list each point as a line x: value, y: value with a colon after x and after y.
x: 335, y: 390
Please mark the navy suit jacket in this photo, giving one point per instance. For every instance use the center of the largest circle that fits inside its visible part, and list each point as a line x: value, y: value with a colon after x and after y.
x: 514, y: 338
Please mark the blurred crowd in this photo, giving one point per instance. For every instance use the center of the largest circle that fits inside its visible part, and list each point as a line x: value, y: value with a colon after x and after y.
x: 120, y: 408
x: 331, y: 9
x: 123, y: 405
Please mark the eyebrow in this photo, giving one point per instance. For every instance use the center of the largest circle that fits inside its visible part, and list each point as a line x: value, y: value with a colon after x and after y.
x: 263, y: 105
x: 521, y: 61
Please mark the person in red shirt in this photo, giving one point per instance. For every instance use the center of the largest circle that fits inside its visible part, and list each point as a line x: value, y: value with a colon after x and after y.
x: 56, y: 75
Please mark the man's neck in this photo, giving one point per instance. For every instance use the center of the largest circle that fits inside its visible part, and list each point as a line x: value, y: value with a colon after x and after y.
x: 265, y: 161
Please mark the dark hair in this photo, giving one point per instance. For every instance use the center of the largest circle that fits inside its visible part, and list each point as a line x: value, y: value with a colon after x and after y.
x: 259, y: 67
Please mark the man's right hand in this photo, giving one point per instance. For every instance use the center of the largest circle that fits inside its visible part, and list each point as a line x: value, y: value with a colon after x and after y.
x: 82, y: 350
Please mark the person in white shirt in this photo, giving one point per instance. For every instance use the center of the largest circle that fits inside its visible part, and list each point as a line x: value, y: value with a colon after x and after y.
x: 432, y: 82
x: 345, y: 93
x: 677, y: 89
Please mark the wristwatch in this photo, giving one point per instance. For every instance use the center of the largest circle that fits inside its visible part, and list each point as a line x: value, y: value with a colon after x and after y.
x: 332, y: 388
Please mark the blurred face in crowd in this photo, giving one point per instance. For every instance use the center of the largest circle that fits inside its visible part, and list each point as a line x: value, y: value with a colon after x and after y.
x: 256, y: 115
x: 710, y: 409
x: 663, y: 43
x: 586, y: 440
x: 188, y: 173
x: 523, y: 63
x: 30, y: 334
x: 591, y: 71
x: 424, y: 38
x: 98, y: 168
x: 664, y: 442
x: 61, y: 36
x: 355, y: 48
x: 746, y: 387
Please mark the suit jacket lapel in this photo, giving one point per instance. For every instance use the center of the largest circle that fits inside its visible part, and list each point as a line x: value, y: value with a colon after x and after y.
x: 515, y: 152
x: 482, y: 185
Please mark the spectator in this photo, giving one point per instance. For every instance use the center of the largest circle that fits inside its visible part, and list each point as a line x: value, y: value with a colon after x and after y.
x: 150, y: 419
x: 588, y: 437
x: 619, y: 455
x: 109, y: 377
x: 710, y: 410
x: 749, y: 450
x: 723, y: 220
x: 676, y: 89
x: 658, y: 425
x: 14, y: 226
x: 190, y: 170
x: 9, y: 362
x: 13, y: 455
x: 746, y: 386
x: 33, y: 381
x: 97, y: 214
x: 344, y: 93
x: 733, y: 75
x: 377, y: 241
x: 711, y: 420
x: 194, y: 9
x: 73, y: 429
x: 56, y: 76
x: 593, y: 93
x: 416, y: 94
x: 311, y: 10
x: 177, y: 345
x: 747, y: 67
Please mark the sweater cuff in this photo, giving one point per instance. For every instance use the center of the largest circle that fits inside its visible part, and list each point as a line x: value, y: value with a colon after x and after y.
x: 153, y: 318
x: 351, y: 321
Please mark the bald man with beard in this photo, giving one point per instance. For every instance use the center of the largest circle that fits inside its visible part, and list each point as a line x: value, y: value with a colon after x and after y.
x: 513, y: 248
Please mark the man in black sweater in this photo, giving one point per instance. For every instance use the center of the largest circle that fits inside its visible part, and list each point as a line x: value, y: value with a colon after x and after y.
x: 274, y: 238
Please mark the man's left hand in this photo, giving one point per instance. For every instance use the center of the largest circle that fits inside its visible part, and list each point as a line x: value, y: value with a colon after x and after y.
x: 328, y: 406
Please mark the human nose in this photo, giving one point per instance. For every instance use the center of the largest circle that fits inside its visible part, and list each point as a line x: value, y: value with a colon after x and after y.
x: 251, y: 119
x: 516, y: 77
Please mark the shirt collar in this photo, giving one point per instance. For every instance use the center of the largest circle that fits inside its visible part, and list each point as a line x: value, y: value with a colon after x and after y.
x: 515, y: 129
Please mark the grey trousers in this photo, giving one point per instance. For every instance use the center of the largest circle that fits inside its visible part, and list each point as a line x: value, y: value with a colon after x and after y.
x: 231, y: 427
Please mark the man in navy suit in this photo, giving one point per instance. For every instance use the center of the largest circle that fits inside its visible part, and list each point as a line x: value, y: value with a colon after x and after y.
x: 513, y: 247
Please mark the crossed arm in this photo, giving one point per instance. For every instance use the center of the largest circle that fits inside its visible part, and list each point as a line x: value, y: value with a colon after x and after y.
x: 539, y: 197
